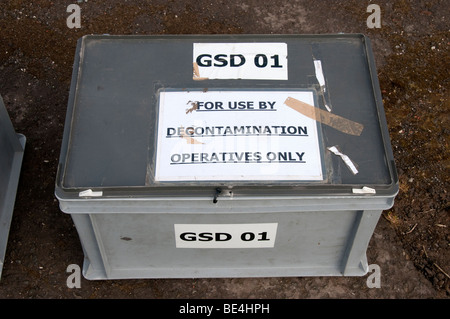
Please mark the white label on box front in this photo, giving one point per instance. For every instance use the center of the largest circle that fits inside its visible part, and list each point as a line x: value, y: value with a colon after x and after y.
x: 253, y: 61
x: 225, y: 235
x: 236, y: 136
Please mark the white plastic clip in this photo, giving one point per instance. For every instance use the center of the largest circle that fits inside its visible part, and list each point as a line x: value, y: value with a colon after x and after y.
x: 364, y: 190
x: 90, y: 193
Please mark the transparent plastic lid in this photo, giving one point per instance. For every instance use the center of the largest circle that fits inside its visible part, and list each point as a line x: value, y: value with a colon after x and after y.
x: 160, y: 113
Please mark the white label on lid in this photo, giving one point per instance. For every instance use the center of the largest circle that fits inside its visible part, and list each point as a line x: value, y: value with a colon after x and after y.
x: 253, y: 61
x: 260, y: 235
x: 236, y: 136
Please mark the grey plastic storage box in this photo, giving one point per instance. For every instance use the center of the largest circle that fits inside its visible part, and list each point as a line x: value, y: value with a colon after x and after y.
x: 225, y: 156
x: 12, y: 147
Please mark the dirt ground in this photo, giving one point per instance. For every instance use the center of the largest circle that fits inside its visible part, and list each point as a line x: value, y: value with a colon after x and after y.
x: 411, y: 240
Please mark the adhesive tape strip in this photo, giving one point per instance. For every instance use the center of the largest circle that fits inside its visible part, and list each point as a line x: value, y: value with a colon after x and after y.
x: 345, y: 158
x: 196, y: 73
x: 335, y: 121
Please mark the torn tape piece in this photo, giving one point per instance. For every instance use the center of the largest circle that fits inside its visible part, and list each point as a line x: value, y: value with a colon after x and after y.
x: 194, y: 106
x: 364, y: 190
x: 319, y: 73
x: 345, y: 158
x: 321, y: 79
x: 196, y: 73
x: 90, y: 193
x: 327, y: 106
x: 189, y: 140
x: 335, y: 121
